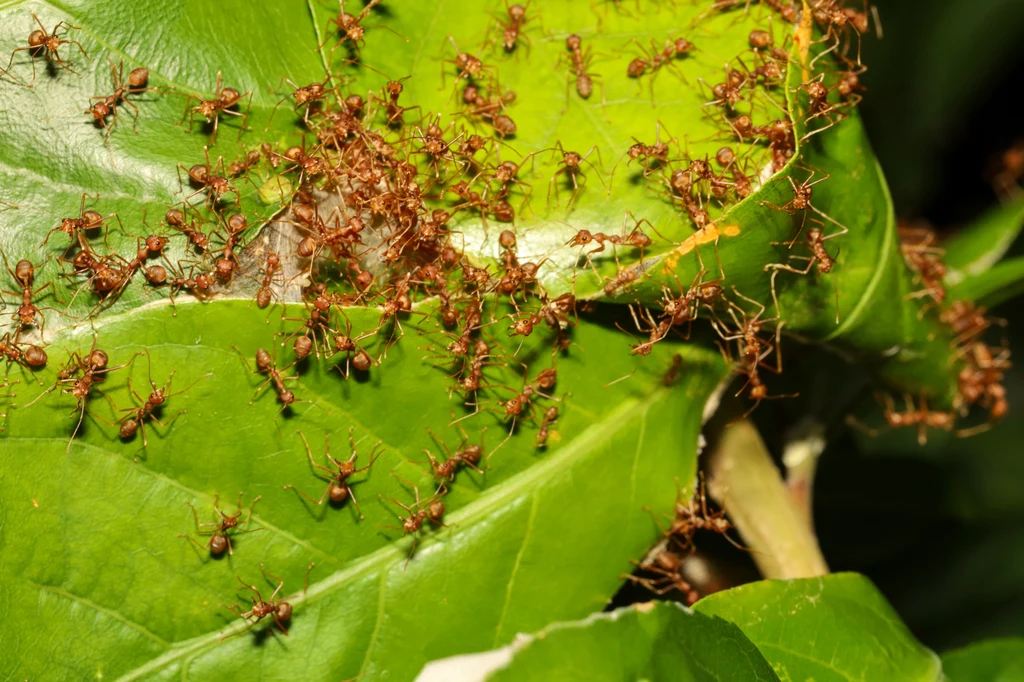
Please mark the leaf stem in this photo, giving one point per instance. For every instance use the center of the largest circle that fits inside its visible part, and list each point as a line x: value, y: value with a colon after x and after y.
x: 745, y: 481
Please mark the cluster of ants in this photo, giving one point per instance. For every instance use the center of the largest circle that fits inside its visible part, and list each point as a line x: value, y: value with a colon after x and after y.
x: 663, y: 569
x: 375, y: 195
x: 980, y: 378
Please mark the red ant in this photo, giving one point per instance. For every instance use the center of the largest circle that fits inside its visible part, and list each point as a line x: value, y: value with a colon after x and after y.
x: 667, y: 565
x: 431, y: 509
x: 242, y: 166
x: 93, y: 369
x: 653, y: 155
x: 48, y: 44
x: 280, y: 609
x: 511, y: 29
x: 801, y: 201
x: 109, y: 104
x: 11, y: 350
x: 75, y: 228
x: 205, y: 176
x: 571, y: 167
x: 220, y: 540
x: 211, y: 109
x: 469, y: 67
x: 550, y: 417
x: 309, y: 96
x: 818, y: 106
x: 200, y: 286
x: 465, y: 455
x: 135, y: 420
x: 271, y: 273
x: 24, y: 275
x: 636, y: 238
x: 394, y: 112
x: 654, y: 60
x: 920, y: 417
x: 175, y: 218
x: 265, y: 365
x: 579, y: 60
x: 351, y: 29
x: 820, y: 257
x: 338, y: 487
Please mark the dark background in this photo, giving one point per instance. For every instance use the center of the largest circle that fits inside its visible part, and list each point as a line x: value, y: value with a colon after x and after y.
x: 940, y: 529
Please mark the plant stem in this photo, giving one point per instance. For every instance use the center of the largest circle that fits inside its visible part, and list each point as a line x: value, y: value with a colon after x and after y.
x: 744, y: 480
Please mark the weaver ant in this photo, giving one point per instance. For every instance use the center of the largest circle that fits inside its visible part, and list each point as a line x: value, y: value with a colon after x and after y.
x: 135, y: 420
x: 921, y: 417
x: 579, y: 61
x: 351, y: 29
x: 175, y: 218
x: 309, y: 96
x: 571, y: 168
x: 430, y: 509
x: 280, y: 609
x: 108, y: 105
x: 394, y: 113
x: 801, y: 201
x: 337, y: 475
x: 667, y: 565
x: 211, y: 109
x: 265, y: 365
x: 205, y: 176
x: 220, y: 539
x: 75, y: 228
x: 11, y: 351
x: 93, y: 368
x: 464, y: 455
x: 654, y: 60
x: 24, y: 275
x: 48, y: 44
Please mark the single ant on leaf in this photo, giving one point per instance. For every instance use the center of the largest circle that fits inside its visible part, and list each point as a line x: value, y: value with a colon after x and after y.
x: 41, y: 43
x: 224, y: 99
x: 280, y: 609
x: 430, y: 509
x: 338, y: 487
x: 220, y: 535
x: 108, y: 105
x: 135, y: 420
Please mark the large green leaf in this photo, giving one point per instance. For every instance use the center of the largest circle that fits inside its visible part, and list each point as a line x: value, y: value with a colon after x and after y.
x: 90, y: 546
x: 833, y: 628
x: 654, y: 641
x: 999, y: 660
x: 870, y: 280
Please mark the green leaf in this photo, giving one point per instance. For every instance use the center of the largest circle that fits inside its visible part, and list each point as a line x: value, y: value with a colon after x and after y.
x: 91, y: 551
x: 1002, y: 282
x: 654, y: 641
x: 999, y: 660
x: 870, y: 281
x: 833, y: 628
x: 921, y: 93
x: 973, y: 250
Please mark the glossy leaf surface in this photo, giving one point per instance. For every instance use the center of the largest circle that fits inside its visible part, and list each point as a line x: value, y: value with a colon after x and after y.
x: 838, y: 627
x: 658, y: 641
